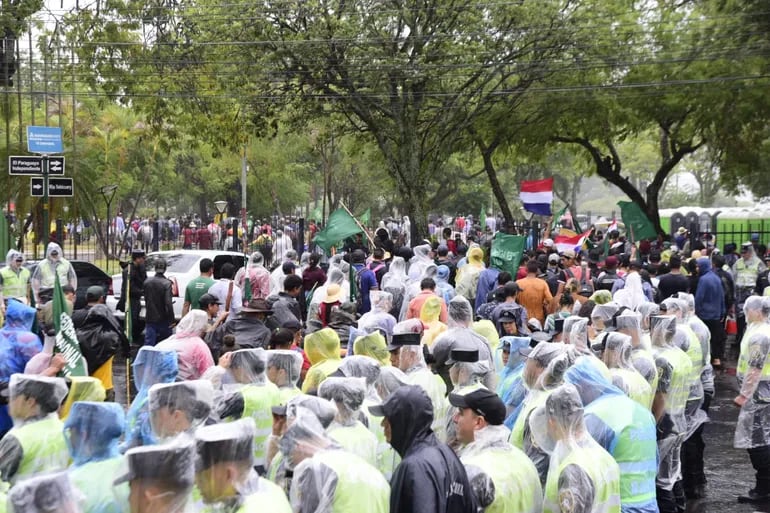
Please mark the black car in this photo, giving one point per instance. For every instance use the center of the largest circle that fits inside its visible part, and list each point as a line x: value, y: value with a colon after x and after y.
x: 88, y: 274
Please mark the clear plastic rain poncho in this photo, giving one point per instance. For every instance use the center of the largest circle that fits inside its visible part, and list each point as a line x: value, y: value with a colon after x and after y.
x: 180, y: 407
x: 323, y: 350
x: 44, y: 276
x: 378, y: 318
x: 756, y: 311
x: 686, y: 340
x: 578, y: 338
x: 420, y: 262
x: 630, y: 323
x: 92, y: 432
x: 601, y: 315
x: 576, y: 332
x: 374, y: 346
x: 193, y: 355
x: 581, y: 473
x: 161, y: 477
x: 389, y: 380
x: 39, y: 422
x: 284, y: 369
x: 647, y: 310
x: 632, y: 293
x: 704, y: 337
x: 460, y: 337
x: 17, y: 292
x: 459, y: 313
x: 394, y: 282
x: 674, y: 370
x: 348, y: 395
x: 257, y: 276
x: 753, y: 428
x: 45, y: 493
x: 510, y: 383
x: 319, y: 471
x: 152, y: 366
x: 412, y: 363
x: 618, y: 357
x: 230, y: 446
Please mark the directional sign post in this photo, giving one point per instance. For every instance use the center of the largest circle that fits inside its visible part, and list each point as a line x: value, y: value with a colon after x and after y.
x: 33, y: 165
x: 57, y: 187
x: 45, y: 140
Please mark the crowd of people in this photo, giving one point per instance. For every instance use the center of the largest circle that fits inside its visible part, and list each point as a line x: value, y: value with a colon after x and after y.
x: 397, y: 379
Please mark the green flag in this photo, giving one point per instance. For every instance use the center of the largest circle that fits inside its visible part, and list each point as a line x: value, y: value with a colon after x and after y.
x: 557, y: 218
x: 246, y: 280
x: 482, y: 216
x: 366, y: 217
x: 339, y: 227
x: 575, y: 224
x: 66, y: 339
x: 638, y: 225
x: 507, y: 251
x: 5, y: 236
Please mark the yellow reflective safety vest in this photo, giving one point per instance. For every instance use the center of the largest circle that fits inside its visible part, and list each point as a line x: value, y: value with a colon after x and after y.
x: 601, y: 469
x: 637, y: 387
x: 43, y: 445
x: 743, y: 358
x: 258, y: 401
x: 356, y: 439
x: 360, y: 487
x: 517, y: 483
x: 534, y: 399
x: 15, y: 285
x: 93, y: 481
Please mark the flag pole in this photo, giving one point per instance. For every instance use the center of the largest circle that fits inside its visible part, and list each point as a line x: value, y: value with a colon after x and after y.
x: 371, y: 241
x: 129, y: 333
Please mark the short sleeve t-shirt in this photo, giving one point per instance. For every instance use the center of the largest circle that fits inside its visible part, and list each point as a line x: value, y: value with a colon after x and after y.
x: 195, y: 289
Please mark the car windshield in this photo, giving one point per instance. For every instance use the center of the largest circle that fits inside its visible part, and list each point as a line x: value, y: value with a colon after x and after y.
x: 175, y: 262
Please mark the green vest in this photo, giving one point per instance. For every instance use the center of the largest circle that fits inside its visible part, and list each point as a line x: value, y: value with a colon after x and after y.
x: 534, y: 399
x: 15, y: 285
x: 517, y: 484
x: 646, y: 355
x: 436, y: 389
x: 92, y: 479
x: 43, y: 446
x: 387, y: 457
x: 638, y: 388
x: 602, y: 470
x: 358, y: 483
x: 746, y: 275
x: 356, y: 439
x: 695, y: 352
x: 258, y: 401
x: 285, y: 394
x: 743, y: 358
x: 47, y: 279
x: 635, y: 449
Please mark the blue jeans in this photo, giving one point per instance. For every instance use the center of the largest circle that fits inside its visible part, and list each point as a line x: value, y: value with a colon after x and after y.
x: 154, y: 332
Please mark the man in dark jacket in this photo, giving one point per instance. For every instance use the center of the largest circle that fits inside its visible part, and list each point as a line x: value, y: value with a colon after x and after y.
x: 134, y: 276
x: 284, y: 305
x: 430, y: 477
x: 159, y: 306
x: 248, y: 328
x: 710, y: 307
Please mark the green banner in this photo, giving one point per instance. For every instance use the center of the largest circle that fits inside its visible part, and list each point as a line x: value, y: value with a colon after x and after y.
x: 340, y: 226
x: 507, y: 251
x: 557, y: 217
x: 638, y: 225
x: 66, y: 340
x: 366, y: 217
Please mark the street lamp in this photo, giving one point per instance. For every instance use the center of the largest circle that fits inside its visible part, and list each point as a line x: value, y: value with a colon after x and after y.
x: 108, y: 193
x: 221, y: 207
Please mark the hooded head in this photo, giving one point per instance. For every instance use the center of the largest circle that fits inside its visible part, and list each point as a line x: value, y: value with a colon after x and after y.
x: 347, y: 394
x: 381, y: 301
x: 287, y: 362
x: 93, y: 430
x: 358, y: 366
x: 53, y: 252
x: 374, y: 346
x: 14, y: 259
x: 322, y: 345
x: 19, y: 316
x: 389, y: 380
x: 476, y: 256
x: 153, y: 366
x: 256, y: 260
x: 589, y: 382
x: 409, y: 411
x: 704, y: 265
x: 442, y: 273
x: 617, y: 351
x: 460, y: 312
x: 193, y: 324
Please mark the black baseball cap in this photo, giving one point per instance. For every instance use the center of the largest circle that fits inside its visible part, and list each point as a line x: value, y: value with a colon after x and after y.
x: 507, y: 316
x: 208, y: 299
x: 463, y: 355
x: 483, y: 402
x: 404, y: 339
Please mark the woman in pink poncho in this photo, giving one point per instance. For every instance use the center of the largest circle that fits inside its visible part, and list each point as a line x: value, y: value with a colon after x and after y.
x: 193, y: 355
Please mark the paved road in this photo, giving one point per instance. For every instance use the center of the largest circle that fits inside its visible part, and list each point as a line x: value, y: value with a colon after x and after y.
x: 728, y: 471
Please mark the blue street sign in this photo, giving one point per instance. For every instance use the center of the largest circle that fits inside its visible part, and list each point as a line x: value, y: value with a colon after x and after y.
x: 44, y: 139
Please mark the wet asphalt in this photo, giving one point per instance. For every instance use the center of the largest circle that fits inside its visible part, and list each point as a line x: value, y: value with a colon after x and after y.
x: 728, y: 470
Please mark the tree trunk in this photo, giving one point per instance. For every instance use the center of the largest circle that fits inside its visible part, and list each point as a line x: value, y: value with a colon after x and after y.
x: 489, y: 168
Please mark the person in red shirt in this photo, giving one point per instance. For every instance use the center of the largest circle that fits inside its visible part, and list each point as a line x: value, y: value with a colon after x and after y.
x: 190, y: 236
x: 205, y: 240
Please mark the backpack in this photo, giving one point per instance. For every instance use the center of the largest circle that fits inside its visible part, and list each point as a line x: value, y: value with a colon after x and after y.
x: 359, y: 295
